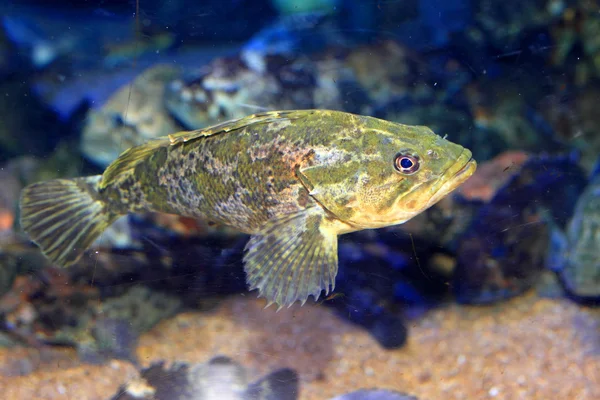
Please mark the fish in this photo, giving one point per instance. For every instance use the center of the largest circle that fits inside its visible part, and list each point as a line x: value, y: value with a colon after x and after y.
x: 293, y: 180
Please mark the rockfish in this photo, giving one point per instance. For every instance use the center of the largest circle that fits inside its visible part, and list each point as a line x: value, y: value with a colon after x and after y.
x: 293, y: 180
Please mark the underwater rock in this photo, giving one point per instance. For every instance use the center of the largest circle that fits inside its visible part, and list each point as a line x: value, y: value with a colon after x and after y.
x: 54, y: 306
x: 8, y: 271
x: 548, y: 284
x: 84, y: 306
x: 389, y: 71
x: 575, y: 33
x: 141, y: 307
x: 196, y: 269
x: 381, y: 274
x: 9, y: 198
x: 502, y: 252
x: 71, y: 92
x: 503, y: 119
x: 575, y: 254
x: 99, y: 330
x: 572, y: 114
x: 134, y: 114
x: 219, y: 378
x: 118, y: 321
x: 375, y: 394
x: 17, y: 257
x: 228, y: 88
x: 43, y: 304
x: 355, y: 80
x: 504, y: 21
x: 34, y: 132
x: 110, y: 338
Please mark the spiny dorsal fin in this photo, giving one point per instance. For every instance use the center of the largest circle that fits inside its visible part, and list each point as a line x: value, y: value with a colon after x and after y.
x: 128, y: 160
x: 234, y: 124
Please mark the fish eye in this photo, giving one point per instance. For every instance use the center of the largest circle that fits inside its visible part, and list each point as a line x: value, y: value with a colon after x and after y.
x: 406, y: 163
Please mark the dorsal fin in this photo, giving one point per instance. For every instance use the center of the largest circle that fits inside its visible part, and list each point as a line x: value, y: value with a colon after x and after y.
x: 128, y: 160
x: 234, y: 124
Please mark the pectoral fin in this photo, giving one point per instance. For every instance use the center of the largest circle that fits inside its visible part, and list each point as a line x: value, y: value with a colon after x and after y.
x: 293, y: 257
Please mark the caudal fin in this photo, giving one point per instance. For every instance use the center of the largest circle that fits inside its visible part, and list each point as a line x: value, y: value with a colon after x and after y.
x: 64, y: 216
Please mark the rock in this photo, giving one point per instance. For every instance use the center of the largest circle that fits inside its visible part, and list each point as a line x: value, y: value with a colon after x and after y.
x: 502, y: 252
x: 219, y: 378
x: 575, y: 255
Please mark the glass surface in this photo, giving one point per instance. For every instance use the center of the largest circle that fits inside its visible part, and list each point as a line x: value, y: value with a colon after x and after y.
x: 299, y: 199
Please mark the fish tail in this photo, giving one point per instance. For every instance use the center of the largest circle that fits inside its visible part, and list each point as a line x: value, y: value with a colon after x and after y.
x: 64, y: 216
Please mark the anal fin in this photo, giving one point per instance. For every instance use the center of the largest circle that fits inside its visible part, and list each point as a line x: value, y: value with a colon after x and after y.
x: 293, y: 258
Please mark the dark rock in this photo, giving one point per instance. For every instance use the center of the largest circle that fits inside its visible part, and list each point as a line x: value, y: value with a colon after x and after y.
x: 502, y: 253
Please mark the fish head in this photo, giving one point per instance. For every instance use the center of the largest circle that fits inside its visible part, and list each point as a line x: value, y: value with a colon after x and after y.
x: 385, y: 174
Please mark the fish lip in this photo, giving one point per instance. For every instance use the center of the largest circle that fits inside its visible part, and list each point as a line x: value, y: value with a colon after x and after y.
x: 457, y: 179
x: 471, y: 163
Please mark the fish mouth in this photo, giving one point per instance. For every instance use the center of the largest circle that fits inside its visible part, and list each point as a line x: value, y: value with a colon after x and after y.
x: 457, y: 178
x: 466, y: 171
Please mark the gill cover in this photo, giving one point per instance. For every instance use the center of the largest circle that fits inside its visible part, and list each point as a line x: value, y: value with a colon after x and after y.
x: 331, y: 185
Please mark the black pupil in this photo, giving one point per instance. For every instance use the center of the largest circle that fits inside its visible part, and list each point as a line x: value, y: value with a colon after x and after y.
x: 406, y: 163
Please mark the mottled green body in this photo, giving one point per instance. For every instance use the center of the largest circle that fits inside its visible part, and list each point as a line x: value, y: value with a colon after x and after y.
x: 242, y: 178
x: 294, y: 180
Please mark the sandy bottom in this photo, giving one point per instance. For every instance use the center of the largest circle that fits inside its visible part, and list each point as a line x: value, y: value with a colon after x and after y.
x: 527, y: 348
